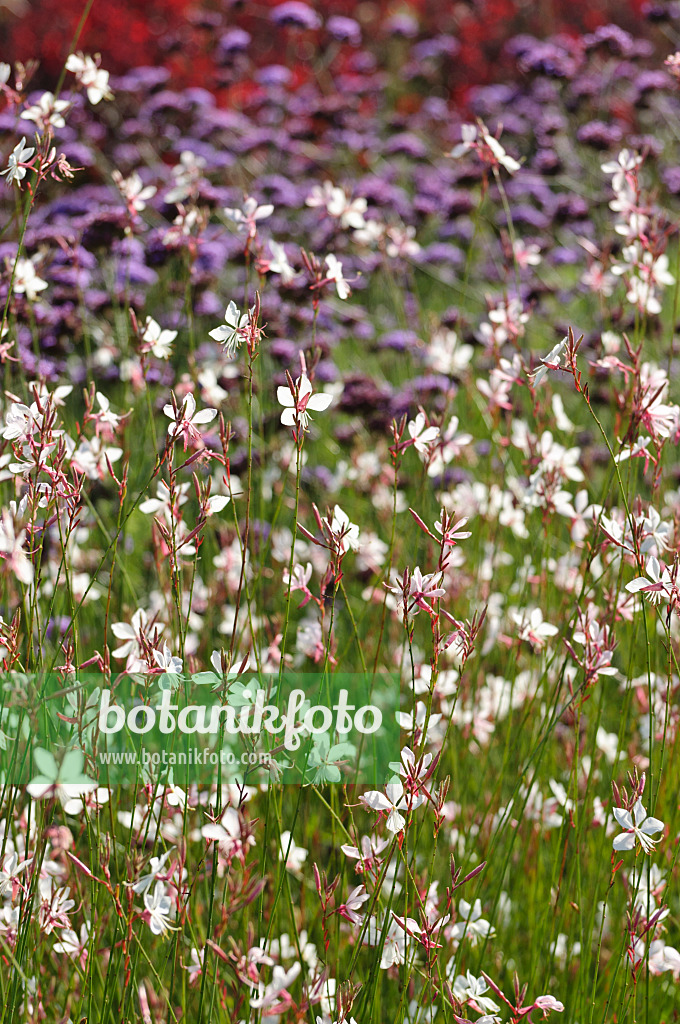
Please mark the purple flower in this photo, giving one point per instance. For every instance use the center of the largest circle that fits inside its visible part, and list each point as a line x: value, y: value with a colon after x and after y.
x: 600, y: 135
x: 616, y: 39
x: 546, y: 161
x: 345, y: 30
x: 399, y: 340
x: 402, y: 24
x: 274, y: 74
x: 294, y: 14
x: 671, y: 179
x: 407, y: 143
x: 439, y: 46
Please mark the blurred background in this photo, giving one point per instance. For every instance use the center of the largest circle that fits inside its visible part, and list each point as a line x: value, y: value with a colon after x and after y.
x: 221, y: 46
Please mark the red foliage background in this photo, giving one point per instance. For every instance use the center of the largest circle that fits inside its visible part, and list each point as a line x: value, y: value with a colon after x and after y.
x: 181, y: 36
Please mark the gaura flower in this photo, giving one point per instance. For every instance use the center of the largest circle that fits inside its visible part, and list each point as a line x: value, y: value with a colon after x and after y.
x: 637, y: 826
x: 298, y: 401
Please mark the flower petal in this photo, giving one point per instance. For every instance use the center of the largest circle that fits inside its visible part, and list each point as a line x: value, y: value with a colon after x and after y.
x: 623, y: 817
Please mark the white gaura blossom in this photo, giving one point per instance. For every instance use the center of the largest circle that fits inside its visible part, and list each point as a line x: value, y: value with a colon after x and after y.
x: 230, y: 333
x: 657, y: 585
x: 268, y: 995
x: 294, y: 856
x: 350, y: 212
x: 396, y: 941
x: 637, y: 828
x: 12, y: 553
x: 92, y: 458
x: 532, y: 627
x: 26, y: 280
x: 131, y: 635
x: 21, y: 154
x: 144, y: 882
x: 246, y: 218
x: 133, y: 190
x: 346, y: 532
x: 392, y: 801
x: 468, y: 989
x: 47, y: 112
x: 157, y: 340
x: 621, y: 168
x: 470, y: 923
x: 299, y: 402
x: 278, y: 264
x: 422, y: 435
x: 186, y: 421
x: 549, y: 362
x: 159, y: 910
x: 90, y: 76
x: 489, y: 149
x: 334, y: 273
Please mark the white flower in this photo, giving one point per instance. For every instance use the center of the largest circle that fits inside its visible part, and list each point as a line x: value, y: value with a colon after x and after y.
x: 90, y: 76
x: 92, y: 458
x: 186, y: 421
x: 532, y: 627
x: 167, y: 661
x: 46, y: 112
x: 158, y: 341
x: 131, y: 636
x: 657, y: 585
x: 354, y: 902
x: 548, y: 1003
x: 246, y: 218
x: 401, y: 242
x: 12, y: 549
x: 396, y: 940
x: 422, y: 436
x: 227, y: 833
x: 133, y: 191
x: 26, y: 281
x: 217, y: 503
x: 10, y: 869
x: 294, y: 856
x: 469, y: 989
x: 468, y: 134
x: 187, y: 175
x: 321, y: 195
x: 268, y: 995
x: 625, y: 163
x: 350, y: 213
x: 279, y: 264
x: 346, y: 532
x: 160, y: 910
x: 334, y: 273
x: 229, y: 333
x: 487, y: 147
x: 298, y: 403
x: 636, y: 826
x: 156, y: 865
x: 501, y: 156
x: 446, y: 354
x: 410, y: 720
x: 71, y: 944
x: 21, y: 154
x: 549, y: 362
x: 470, y: 922
x: 111, y: 419
x: 393, y: 800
